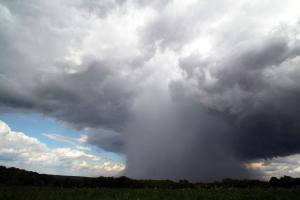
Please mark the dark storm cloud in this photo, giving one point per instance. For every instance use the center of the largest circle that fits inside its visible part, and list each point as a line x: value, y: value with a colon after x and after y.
x: 106, y: 139
x: 262, y: 117
x: 87, y: 99
x: 270, y: 130
x: 186, y: 89
x: 36, y: 77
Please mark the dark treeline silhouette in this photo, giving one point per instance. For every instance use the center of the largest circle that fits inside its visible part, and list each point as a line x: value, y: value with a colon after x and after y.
x: 285, y: 181
x: 17, y: 177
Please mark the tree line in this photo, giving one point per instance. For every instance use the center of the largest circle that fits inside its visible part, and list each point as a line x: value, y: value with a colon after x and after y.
x: 18, y: 177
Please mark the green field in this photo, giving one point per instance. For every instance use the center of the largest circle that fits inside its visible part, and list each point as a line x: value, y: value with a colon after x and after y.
x: 38, y: 193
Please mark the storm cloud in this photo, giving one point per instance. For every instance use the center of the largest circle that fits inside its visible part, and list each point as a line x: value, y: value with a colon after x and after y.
x: 185, y: 89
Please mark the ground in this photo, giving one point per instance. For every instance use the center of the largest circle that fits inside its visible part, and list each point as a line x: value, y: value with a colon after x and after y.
x: 46, y: 193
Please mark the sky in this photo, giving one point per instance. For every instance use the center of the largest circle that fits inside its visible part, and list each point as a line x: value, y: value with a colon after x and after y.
x: 164, y: 89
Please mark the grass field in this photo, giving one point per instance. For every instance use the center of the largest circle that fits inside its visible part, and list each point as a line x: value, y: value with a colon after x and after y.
x: 37, y: 193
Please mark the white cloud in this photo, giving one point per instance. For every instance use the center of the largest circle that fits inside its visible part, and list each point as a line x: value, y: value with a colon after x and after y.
x: 19, y: 150
x: 77, y: 142
x: 279, y: 166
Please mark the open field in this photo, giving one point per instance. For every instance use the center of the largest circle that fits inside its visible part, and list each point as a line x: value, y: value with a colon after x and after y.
x: 16, y: 184
x: 46, y: 193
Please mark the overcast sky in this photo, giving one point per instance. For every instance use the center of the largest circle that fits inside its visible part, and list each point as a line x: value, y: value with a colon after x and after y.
x: 178, y: 89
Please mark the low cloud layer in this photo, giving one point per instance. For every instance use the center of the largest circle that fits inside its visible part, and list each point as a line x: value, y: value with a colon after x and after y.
x: 279, y: 166
x: 186, y: 89
x: 19, y: 150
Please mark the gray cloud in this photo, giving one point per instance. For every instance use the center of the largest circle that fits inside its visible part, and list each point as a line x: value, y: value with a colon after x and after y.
x: 179, y: 22
x: 262, y: 116
x: 106, y: 139
x: 64, y: 97
x: 189, y: 89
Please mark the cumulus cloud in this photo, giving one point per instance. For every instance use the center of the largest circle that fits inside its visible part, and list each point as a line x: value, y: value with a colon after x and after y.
x: 186, y: 89
x: 19, y: 150
x: 279, y: 166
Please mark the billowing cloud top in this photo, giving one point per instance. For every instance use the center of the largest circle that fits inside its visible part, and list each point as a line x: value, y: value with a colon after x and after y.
x: 186, y: 89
